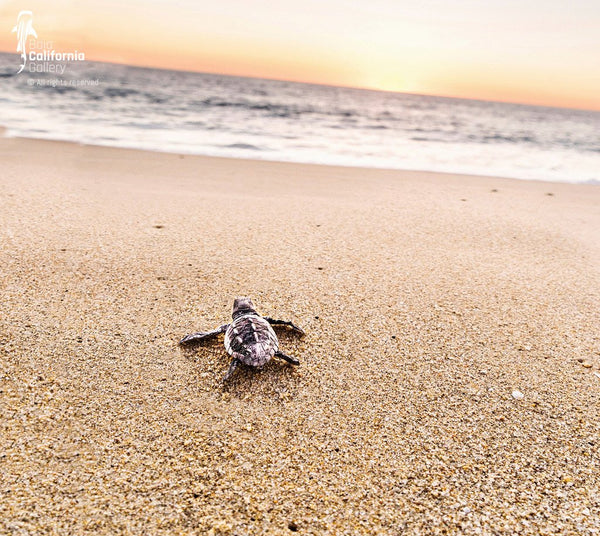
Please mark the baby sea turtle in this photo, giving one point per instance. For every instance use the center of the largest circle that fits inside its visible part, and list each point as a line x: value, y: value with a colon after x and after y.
x: 249, y: 339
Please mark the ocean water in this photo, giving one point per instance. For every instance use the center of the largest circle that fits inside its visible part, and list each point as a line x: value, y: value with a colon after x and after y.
x: 207, y: 114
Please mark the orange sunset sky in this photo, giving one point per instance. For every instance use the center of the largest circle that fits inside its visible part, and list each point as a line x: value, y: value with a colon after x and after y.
x: 539, y: 52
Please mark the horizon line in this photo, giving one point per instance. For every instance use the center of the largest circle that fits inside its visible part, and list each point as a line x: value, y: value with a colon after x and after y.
x: 359, y: 88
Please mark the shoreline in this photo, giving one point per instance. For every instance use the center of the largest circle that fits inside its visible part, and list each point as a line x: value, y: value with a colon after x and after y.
x: 3, y: 135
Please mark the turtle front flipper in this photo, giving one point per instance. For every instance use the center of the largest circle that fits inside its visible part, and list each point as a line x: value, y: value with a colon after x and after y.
x: 288, y: 358
x: 287, y: 323
x: 193, y: 338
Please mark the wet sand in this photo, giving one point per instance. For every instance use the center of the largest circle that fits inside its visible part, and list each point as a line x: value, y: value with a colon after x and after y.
x: 450, y: 373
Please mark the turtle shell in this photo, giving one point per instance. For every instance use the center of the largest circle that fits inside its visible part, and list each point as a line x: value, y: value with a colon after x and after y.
x: 251, y: 339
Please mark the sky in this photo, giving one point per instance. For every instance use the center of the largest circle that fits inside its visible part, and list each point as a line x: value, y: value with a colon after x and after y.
x: 543, y: 52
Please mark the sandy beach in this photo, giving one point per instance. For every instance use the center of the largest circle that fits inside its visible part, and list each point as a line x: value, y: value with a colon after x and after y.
x: 450, y: 372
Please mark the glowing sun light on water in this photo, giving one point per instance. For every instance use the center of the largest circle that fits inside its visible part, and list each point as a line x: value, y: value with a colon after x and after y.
x: 395, y: 83
x: 400, y: 80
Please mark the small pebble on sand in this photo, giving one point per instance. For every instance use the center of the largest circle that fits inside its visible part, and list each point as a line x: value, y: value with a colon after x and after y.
x: 518, y: 395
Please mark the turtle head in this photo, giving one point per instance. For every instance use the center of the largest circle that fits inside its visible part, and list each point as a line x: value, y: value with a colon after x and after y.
x: 242, y: 306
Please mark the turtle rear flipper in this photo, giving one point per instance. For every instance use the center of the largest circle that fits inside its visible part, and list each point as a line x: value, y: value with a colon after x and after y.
x: 288, y: 358
x: 232, y: 366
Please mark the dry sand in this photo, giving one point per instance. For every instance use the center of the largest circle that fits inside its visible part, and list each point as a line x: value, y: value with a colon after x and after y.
x: 427, y: 299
